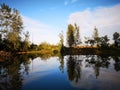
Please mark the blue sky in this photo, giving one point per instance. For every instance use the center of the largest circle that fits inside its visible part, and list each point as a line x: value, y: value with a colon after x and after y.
x: 45, y: 19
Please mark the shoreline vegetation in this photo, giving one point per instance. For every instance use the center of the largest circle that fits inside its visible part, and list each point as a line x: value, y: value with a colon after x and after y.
x: 90, y: 51
x: 4, y: 56
x: 69, y: 51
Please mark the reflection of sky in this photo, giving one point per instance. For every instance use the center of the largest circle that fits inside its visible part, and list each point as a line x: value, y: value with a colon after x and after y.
x: 40, y: 68
x: 46, y: 75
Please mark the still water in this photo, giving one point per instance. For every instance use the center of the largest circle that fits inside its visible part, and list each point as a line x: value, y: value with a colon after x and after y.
x: 71, y: 72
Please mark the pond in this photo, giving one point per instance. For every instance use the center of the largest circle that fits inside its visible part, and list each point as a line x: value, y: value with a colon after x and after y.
x: 71, y: 72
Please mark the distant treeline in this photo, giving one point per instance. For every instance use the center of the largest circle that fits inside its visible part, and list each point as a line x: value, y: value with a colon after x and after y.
x: 73, y: 38
x: 92, y: 45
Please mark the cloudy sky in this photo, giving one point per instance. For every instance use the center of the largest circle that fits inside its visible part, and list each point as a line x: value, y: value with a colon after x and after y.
x: 45, y: 19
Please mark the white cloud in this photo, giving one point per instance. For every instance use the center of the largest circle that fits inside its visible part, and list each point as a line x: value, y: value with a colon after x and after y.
x: 106, y: 19
x: 39, y: 32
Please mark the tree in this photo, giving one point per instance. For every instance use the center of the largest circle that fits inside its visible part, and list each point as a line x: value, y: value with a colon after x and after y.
x: 86, y: 40
x: 77, y: 35
x: 1, y: 46
x: 95, y: 39
x: 95, y: 33
x: 104, y: 41
x: 25, y: 44
x: 96, y: 36
x: 89, y: 41
x: 11, y: 26
x: 73, y: 35
x: 70, y: 36
x: 116, y: 37
x: 61, y: 39
x: 61, y: 44
x: 33, y: 46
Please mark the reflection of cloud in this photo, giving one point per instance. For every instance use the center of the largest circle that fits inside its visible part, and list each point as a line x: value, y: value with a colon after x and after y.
x: 39, y: 32
x: 33, y: 77
x: 106, y: 81
x: 107, y: 19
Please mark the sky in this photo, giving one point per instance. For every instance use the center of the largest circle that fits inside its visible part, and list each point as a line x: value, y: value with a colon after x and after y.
x: 45, y: 19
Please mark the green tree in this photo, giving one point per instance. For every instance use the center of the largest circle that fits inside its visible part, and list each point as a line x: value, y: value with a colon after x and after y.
x: 77, y: 35
x: 86, y: 40
x: 33, y: 47
x: 11, y: 26
x: 70, y: 36
x: 89, y: 41
x: 116, y: 37
x: 45, y: 46
x: 94, y: 40
x: 61, y: 36
x: 1, y: 42
x: 95, y: 33
x: 5, y: 19
x: 25, y: 44
x: 104, y: 41
x: 96, y: 36
x: 61, y: 43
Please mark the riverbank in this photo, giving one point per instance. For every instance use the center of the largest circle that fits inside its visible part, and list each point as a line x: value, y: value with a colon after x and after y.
x: 4, y: 56
x: 90, y: 51
x: 40, y: 51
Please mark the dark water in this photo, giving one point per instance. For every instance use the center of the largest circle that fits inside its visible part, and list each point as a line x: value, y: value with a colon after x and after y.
x: 77, y: 72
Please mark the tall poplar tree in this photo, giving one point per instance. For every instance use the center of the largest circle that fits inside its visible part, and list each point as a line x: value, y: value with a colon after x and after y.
x: 77, y: 35
x: 70, y: 36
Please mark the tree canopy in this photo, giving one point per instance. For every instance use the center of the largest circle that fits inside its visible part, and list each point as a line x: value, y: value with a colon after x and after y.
x: 11, y: 28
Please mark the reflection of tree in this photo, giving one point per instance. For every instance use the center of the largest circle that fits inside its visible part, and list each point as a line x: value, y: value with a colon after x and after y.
x: 105, y: 61
x: 74, y: 65
x: 45, y: 56
x: 11, y: 78
x: 117, y: 63
x: 97, y: 62
x: 93, y: 61
x: 78, y: 71
x: 73, y: 68
x: 61, y: 60
x: 26, y: 65
x: 11, y: 73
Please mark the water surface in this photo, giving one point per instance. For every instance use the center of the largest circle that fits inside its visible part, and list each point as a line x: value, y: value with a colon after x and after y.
x: 71, y: 72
